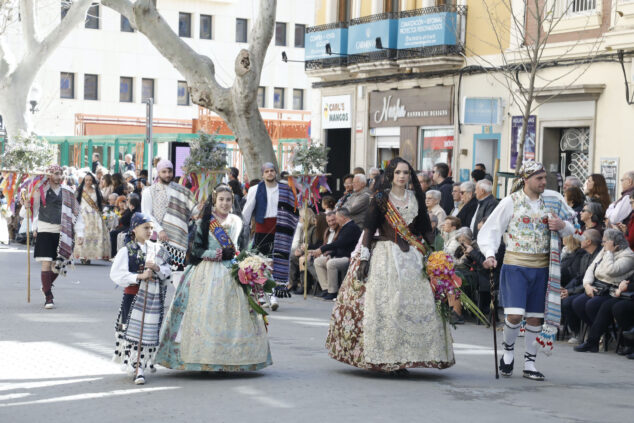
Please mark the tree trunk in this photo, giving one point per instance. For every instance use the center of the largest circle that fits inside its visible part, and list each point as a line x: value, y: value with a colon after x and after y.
x: 13, y: 104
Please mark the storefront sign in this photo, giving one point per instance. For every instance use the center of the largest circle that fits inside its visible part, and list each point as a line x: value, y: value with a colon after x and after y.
x: 435, y: 29
x: 336, y: 112
x: 413, y: 107
x: 482, y: 111
x: 610, y: 171
x: 362, y: 37
x: 316, y: 43
x: 529, y: 140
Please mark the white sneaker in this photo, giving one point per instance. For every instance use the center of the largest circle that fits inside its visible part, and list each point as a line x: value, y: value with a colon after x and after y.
x: 573, y: 340
x: 49, y: 305
x: 139, y: 379
x: 274, y: 304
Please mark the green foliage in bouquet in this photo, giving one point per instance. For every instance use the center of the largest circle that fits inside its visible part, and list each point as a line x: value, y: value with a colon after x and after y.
x: 207, y: 153
x: 27, y: 154
x: 310, y: 158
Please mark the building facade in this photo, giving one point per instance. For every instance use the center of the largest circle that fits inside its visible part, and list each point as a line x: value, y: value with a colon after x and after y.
x: 417, y: 79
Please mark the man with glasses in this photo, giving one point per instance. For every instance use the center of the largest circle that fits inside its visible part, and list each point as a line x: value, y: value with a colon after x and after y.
x: 620, y: 210
x: 469, y: 203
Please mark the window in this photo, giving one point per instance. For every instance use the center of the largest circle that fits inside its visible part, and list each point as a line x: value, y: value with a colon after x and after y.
x: 182, y: 94
x: 298, y: 99
x: 65, y: 6
x: 125, y: 89
x: 392, y: 5
x: 241, y: 30
x: 280, y: 34
x: 261, y: 96
x: 278, y: 98
x: 205, y: 27
x: 185, y: 25
x: 125, y: 25
x: 147, y: 89
x: 92, y: 17
x: 573, y: 7
x: 300, y: 32
x: 67, y: 85
x: 91, y: 87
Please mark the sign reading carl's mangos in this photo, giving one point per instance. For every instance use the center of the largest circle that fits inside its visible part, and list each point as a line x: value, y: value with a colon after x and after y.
x: 336, y: 112
x: 413, y: 107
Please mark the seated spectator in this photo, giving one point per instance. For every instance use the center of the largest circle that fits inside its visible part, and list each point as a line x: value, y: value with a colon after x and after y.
x: 432, y: 201
x: 329, y: 268
x: 486, y: 204
x: 470, y: 203
x: 575, y: 200
x: 327, y: 204
x: 450, y: 235
x: 112, y: 202
x: 477, y: 175
x: 572, y: 181
x: 304, y: 238
x: 436, y: 233
x: 592, y: 217
x: 571, y: 255
x: 359, y: 200
x: 347, y: 191
x: 572, y: 273
x: 457, y: 203
x: 118, y: 185
x: 612, y: 265
x: 620, y: 210
x: 129, y: 176
x: 628, y: 229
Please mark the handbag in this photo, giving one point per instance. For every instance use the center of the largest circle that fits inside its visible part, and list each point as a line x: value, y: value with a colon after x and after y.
x: 602, y: 288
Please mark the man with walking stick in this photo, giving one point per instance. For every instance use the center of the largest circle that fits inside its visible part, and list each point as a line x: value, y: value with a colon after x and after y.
x: 532, y: 221
x: 142, y: 268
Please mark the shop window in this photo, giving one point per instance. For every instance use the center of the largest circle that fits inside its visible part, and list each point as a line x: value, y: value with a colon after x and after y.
x: 436, y: 146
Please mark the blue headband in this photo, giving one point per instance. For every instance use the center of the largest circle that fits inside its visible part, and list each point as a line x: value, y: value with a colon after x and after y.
x: 138, y: 219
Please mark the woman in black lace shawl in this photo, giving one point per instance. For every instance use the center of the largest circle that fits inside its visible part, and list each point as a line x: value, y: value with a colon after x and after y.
x: 385, y: 316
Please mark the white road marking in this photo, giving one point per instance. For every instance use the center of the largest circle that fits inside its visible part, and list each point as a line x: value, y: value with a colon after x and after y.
x: 13, y: 396
x: 471, y: 349
x: 295, y: 318
x: 48, y: 317
x: 95, y: 395
x: 43, y: 384
x: 261, y: 397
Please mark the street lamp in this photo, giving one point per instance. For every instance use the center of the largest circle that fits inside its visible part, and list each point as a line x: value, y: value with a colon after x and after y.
x: 34, y: 97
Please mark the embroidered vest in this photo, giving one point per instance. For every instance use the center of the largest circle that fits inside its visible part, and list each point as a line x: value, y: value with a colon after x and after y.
x: 528, y: 231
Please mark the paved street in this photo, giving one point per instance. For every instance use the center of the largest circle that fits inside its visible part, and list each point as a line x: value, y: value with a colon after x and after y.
x: 56, y: 367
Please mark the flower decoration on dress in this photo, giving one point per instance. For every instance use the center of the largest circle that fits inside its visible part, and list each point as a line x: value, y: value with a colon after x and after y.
x: 254, y: 273
x: 446, y: 283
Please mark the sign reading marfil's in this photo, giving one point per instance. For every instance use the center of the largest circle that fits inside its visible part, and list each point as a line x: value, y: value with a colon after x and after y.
x: 336, y: 112
x: 413, y: 107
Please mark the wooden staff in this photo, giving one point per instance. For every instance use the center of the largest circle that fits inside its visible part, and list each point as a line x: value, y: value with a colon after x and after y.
x: 496, y: 169
x: 28, y: 252
x: 493, y: 322
x: 138, y: 352
x: 305, y: 250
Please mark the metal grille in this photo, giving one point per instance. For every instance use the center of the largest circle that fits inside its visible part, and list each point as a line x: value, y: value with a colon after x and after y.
x: 577, y: 141
x: 573, y: 7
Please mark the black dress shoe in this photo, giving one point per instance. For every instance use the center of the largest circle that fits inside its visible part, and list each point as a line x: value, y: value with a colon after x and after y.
x: 330, y: 297
x: 626, y: 351
x: 533, y: 375
x: 506, y: 370
x: 630, y: 356
x: 587, y: 347
x: 323, y: 294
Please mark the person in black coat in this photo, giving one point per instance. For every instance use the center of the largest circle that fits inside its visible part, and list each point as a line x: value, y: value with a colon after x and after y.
x: 486, y: 204
x: 444, y: 184
x: 329, y: 268
x: 469, y: 201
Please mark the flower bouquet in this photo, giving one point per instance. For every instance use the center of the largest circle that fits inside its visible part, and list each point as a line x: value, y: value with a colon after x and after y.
x: 445, y: 283
x: 253, y: 272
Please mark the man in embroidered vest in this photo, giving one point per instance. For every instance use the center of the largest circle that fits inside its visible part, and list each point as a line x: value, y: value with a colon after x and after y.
x: 57, y: 221
x: 275, y: 221
x: 531, y: 220
x: 170, y: 207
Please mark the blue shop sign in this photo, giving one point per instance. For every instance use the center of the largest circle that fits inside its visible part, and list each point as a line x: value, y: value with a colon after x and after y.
x: 435, y: 29
x: 316, y: 43
x: 482, y: 111
x: 362, y: 37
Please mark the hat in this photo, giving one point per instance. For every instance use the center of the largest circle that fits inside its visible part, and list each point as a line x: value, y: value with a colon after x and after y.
x: 53, y: 169
x: 138, y: 219
x: 164, y: 164
x: 528, y: 169
x: 267, y: 165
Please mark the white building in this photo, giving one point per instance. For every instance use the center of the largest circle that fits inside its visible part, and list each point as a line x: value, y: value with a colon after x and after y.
x: 102, y: 68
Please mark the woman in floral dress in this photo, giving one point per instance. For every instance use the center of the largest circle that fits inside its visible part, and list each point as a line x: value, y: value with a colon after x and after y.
x: 96, y: 244
x: 210, y: 325
x: 385, y: 316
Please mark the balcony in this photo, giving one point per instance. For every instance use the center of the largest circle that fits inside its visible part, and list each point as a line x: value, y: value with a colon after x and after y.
x: 432, y: 37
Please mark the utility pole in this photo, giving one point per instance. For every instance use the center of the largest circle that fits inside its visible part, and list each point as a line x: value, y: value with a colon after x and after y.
x: 148, y: 138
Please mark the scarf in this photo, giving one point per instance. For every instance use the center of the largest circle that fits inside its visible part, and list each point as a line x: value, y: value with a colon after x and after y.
x: 287, y: 217
x: 70, y: 212
x: 154, y: 291
x: 181, y: 202
x: 552, y: 315
x: 261, y: 200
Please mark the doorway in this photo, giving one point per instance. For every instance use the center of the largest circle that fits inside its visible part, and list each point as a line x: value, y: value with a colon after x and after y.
x: 485, y: 150
x: 566, y: 153
x: 338, y: 141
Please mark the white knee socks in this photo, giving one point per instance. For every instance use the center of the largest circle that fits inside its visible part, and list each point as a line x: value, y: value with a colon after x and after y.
x: 531, y: 347
x: 510, y: 335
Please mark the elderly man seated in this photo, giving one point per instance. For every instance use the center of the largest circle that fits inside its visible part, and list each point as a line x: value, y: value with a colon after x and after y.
x: 359, y: 200
x: 614, y: 264
x: 432, y: 201
x: 328, y: 268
